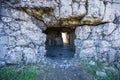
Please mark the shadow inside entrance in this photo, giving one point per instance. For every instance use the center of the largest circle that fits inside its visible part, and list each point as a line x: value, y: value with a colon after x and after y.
x: 60, y: 43
x: 60, y: 52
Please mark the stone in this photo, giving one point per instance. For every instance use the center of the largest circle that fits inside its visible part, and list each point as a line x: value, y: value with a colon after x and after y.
x: 22, y: 15
x: 82, y: 32
x: 29, y: 55
x: 33, y: 33
x: 104, y: 46
x: 1, y: 25
x: 116, y: 1
x: 66, y: 9
x: 87, y: 53
x: 3, y: 40
x: 109, y: 13
x: 41, y: 54
x: 114, y: 38
x: 108, y: 28
x: 3, y: 52
x: 15, y: 26
x: 116, y: 43
x: 96, y: 12
x: 111, y: 55
x: 40, y: 24
x: 95, y: 9
x: 42, y: 51
x: 96, y: 33
x: 7, y: 30
x: 117, y: 20
x: 101, y: 73
x: 22, y: 40
x: 78, y: 42
x: 2, y: 63
x: 6, y: 19
x: 14, y: 56
x: 92, y: 63
x: 78, y: 9
x: 87, y: 44
x: 101, y: 37
x: 11, y: 41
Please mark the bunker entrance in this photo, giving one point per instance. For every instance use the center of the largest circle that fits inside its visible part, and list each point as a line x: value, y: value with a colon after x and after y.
x: 60, y: 43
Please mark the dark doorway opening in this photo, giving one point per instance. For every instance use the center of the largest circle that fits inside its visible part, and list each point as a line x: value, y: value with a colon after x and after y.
x: 60, y: 43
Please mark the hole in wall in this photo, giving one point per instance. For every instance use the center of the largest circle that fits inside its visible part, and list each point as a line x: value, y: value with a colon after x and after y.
x: 65, y: 38
x: 60, y: 43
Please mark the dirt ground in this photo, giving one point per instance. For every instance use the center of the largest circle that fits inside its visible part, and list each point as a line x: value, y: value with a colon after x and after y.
x: 57, y: 73
x: 65, y: 69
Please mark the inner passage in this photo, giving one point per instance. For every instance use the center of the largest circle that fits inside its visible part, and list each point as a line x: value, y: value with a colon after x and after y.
x: 60, y: 43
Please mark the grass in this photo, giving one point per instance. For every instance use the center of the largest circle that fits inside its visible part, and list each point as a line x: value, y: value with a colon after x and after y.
x: 91, y: 69
x: 24, y: 72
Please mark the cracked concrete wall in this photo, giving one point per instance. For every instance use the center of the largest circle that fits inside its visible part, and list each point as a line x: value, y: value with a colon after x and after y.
x: 22, y: 23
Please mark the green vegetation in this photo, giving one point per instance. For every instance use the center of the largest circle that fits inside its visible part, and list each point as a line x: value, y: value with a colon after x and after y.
x: 98, y: 66
x: 24, y: 72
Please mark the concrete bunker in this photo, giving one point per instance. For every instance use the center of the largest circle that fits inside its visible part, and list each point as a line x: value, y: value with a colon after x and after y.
x: 60, y: 42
